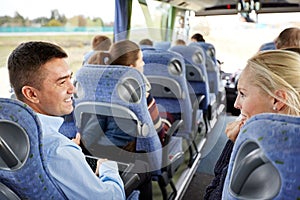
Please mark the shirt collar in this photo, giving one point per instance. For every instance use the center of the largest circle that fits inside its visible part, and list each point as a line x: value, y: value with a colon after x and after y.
x: 50, y: 122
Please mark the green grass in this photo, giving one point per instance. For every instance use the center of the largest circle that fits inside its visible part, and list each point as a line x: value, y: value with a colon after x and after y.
x: 75, y: 45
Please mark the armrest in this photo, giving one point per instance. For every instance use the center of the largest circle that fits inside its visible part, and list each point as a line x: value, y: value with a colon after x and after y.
x: 174, y: 127
x: 201, y: 98
x: 130, y: 177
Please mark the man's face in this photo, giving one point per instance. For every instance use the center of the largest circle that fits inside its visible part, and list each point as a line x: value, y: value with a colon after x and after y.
x: 56, y: 91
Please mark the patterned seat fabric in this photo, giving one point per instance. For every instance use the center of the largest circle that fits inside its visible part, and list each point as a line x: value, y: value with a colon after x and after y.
x: 166, y: 72
x: 22, y: 166
x: 105, y: 85
x: 213, y: 72
x: 195, y: 71
x: 265, y: 160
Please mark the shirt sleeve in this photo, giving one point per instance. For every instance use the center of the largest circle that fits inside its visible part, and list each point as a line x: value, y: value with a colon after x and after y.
x: 74, y: 176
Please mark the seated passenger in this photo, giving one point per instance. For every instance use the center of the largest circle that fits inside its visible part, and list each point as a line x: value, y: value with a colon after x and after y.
x: 99, y: 43
x: 146, y: 42
x: 197, y: 37
x: 180, y: 42
x: 268, y: 84
x: 42, y: 80
x: 288, y: 38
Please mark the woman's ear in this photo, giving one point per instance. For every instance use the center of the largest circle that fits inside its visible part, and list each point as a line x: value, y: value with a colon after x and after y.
x: 30, y: 94
x: 279, y: 102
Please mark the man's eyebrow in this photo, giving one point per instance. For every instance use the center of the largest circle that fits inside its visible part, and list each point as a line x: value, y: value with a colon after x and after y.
x: 64, y: 77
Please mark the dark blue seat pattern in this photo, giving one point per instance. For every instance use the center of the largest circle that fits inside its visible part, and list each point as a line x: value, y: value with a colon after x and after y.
x: 30, y: 179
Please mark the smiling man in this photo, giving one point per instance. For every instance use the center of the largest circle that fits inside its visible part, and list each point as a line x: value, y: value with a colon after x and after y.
x: 41, y: 78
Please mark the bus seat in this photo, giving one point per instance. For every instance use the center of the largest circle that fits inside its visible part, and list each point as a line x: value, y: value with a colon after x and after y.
x: 267, y: 46
x: 68, y: 128
x: 166, y: 71
x: 163, y: 45
x: 196, y: 75
x: 213, y: 72
x: 119, y: 92
x: 102, y: 86
x: 265, y: 159
x: 22, y: 166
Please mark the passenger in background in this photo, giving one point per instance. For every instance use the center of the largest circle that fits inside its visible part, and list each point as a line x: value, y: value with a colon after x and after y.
x: 289, y: 38
x: 197, y: 37
x: 146, y: 42
x: 180, y: 42
x: 99, y: 43
x: 42, y: 80
x: 268, y: 84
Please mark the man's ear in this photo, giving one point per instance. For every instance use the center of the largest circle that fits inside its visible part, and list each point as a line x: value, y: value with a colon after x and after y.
x: 279, y: 103
x: 30, y: 94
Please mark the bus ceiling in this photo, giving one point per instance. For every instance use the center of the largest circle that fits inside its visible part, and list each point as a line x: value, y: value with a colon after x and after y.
x: 230, y: 7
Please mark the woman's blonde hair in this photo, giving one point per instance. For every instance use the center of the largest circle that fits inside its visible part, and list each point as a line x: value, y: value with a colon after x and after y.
x: 277, y: 70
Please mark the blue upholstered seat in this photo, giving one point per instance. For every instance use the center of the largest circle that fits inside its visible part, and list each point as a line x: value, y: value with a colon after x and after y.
x: 165, y: 71
x: 163, y: 45
x: 197, y: 77
x: 22, y: 166
x: 103, y: 87
x: 68, y: 128
x: 265, y: 160
x: 213, y: 72
x: 119, y: 93
x: 267, y: 46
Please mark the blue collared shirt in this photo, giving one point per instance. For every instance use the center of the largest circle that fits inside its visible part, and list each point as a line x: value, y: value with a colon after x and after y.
x: 67, y: 165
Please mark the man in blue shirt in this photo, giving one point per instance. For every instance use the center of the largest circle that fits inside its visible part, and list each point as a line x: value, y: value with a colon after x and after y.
x: 41, y: 78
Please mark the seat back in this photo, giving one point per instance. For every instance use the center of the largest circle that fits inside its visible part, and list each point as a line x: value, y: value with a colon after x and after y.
x: 165, y: 71
x: 163, y: 45
x: 68, y: 128
x: 211, y: 65
x: 196, y: 73
x: 213, y: 72
x: 22, y: 166
x: 116, y: 93
x: 265, y: 159
x: 267, y: 46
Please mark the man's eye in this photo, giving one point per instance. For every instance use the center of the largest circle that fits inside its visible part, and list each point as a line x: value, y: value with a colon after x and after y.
x: 62, y: 82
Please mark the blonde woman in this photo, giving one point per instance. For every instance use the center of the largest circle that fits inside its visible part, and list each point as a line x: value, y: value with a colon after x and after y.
x: 268, y: 84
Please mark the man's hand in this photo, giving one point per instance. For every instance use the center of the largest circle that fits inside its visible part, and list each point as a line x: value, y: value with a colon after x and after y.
x: 99, y: 162
x: 76, y: 140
